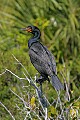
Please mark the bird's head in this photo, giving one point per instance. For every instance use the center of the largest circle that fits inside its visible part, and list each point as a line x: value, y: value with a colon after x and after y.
x: 31, y: 29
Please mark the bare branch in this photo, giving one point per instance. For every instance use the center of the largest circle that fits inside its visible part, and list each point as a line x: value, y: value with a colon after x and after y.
x: 67, y: 87
x: 12, y: 74
x: 15, y: 75
x: 46, y: 116
x: 74, y: 101
x: 24, y: 102
x: 21, y: 65
x: 7, y: 110
x: 3, y: 73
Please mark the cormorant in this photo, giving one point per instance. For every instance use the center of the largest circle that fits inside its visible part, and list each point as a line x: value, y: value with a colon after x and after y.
x: 42, y: 59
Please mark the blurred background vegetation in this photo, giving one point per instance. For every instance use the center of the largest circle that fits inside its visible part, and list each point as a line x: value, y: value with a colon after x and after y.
x: 59, y: 22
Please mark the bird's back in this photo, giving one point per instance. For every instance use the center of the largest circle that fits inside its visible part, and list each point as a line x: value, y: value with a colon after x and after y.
x: 42, y: 59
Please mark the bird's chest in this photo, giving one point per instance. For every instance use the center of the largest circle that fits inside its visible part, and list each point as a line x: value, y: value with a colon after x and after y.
x: 36, y: 56
x: 40, y: 59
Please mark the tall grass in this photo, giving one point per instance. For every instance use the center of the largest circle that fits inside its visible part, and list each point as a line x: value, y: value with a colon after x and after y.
x: 58, y: 20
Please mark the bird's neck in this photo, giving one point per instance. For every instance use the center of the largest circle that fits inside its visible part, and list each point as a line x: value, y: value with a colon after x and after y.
x: 35, y: 38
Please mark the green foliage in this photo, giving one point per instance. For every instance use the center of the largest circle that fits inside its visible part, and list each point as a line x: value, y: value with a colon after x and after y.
x: 52, y: 111
x: 59, y: 22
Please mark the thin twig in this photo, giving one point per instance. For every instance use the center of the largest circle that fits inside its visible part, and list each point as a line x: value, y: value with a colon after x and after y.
x: 67, y: 87
x: 15, y: 75
x: 21, y: 65
x: 7, y: 110
x: 3, y: 73
x: 37, y: 115
x: 12, y: 74
x: 74, y: 101
x: 19, y: 97
x: 25, y: 117
x: 46, y: 114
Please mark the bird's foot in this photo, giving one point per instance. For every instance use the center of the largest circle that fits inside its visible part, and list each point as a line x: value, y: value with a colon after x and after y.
x: 40, y: 80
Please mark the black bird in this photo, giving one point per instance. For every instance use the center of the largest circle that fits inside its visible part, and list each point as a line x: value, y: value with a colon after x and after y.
x: 42, y: 59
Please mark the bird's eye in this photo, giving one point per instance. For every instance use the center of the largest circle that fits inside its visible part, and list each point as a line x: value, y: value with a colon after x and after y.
x: 29, y: 29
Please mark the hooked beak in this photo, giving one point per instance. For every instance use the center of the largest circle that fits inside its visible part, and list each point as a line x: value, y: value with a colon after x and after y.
x: 24, y: 29
x: 28, y: 29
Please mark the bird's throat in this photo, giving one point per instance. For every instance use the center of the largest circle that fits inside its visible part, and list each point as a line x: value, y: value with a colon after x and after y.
x: 35, y: 38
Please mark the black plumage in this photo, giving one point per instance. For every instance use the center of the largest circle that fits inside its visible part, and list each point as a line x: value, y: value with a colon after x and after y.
x: 42, y: 59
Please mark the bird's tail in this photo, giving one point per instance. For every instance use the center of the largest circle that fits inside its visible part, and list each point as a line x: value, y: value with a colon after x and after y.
x: 56, y: 83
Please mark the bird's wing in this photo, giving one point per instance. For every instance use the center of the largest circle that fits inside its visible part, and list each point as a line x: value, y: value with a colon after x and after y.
x: 42, y: 59
x: 52, y: 59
